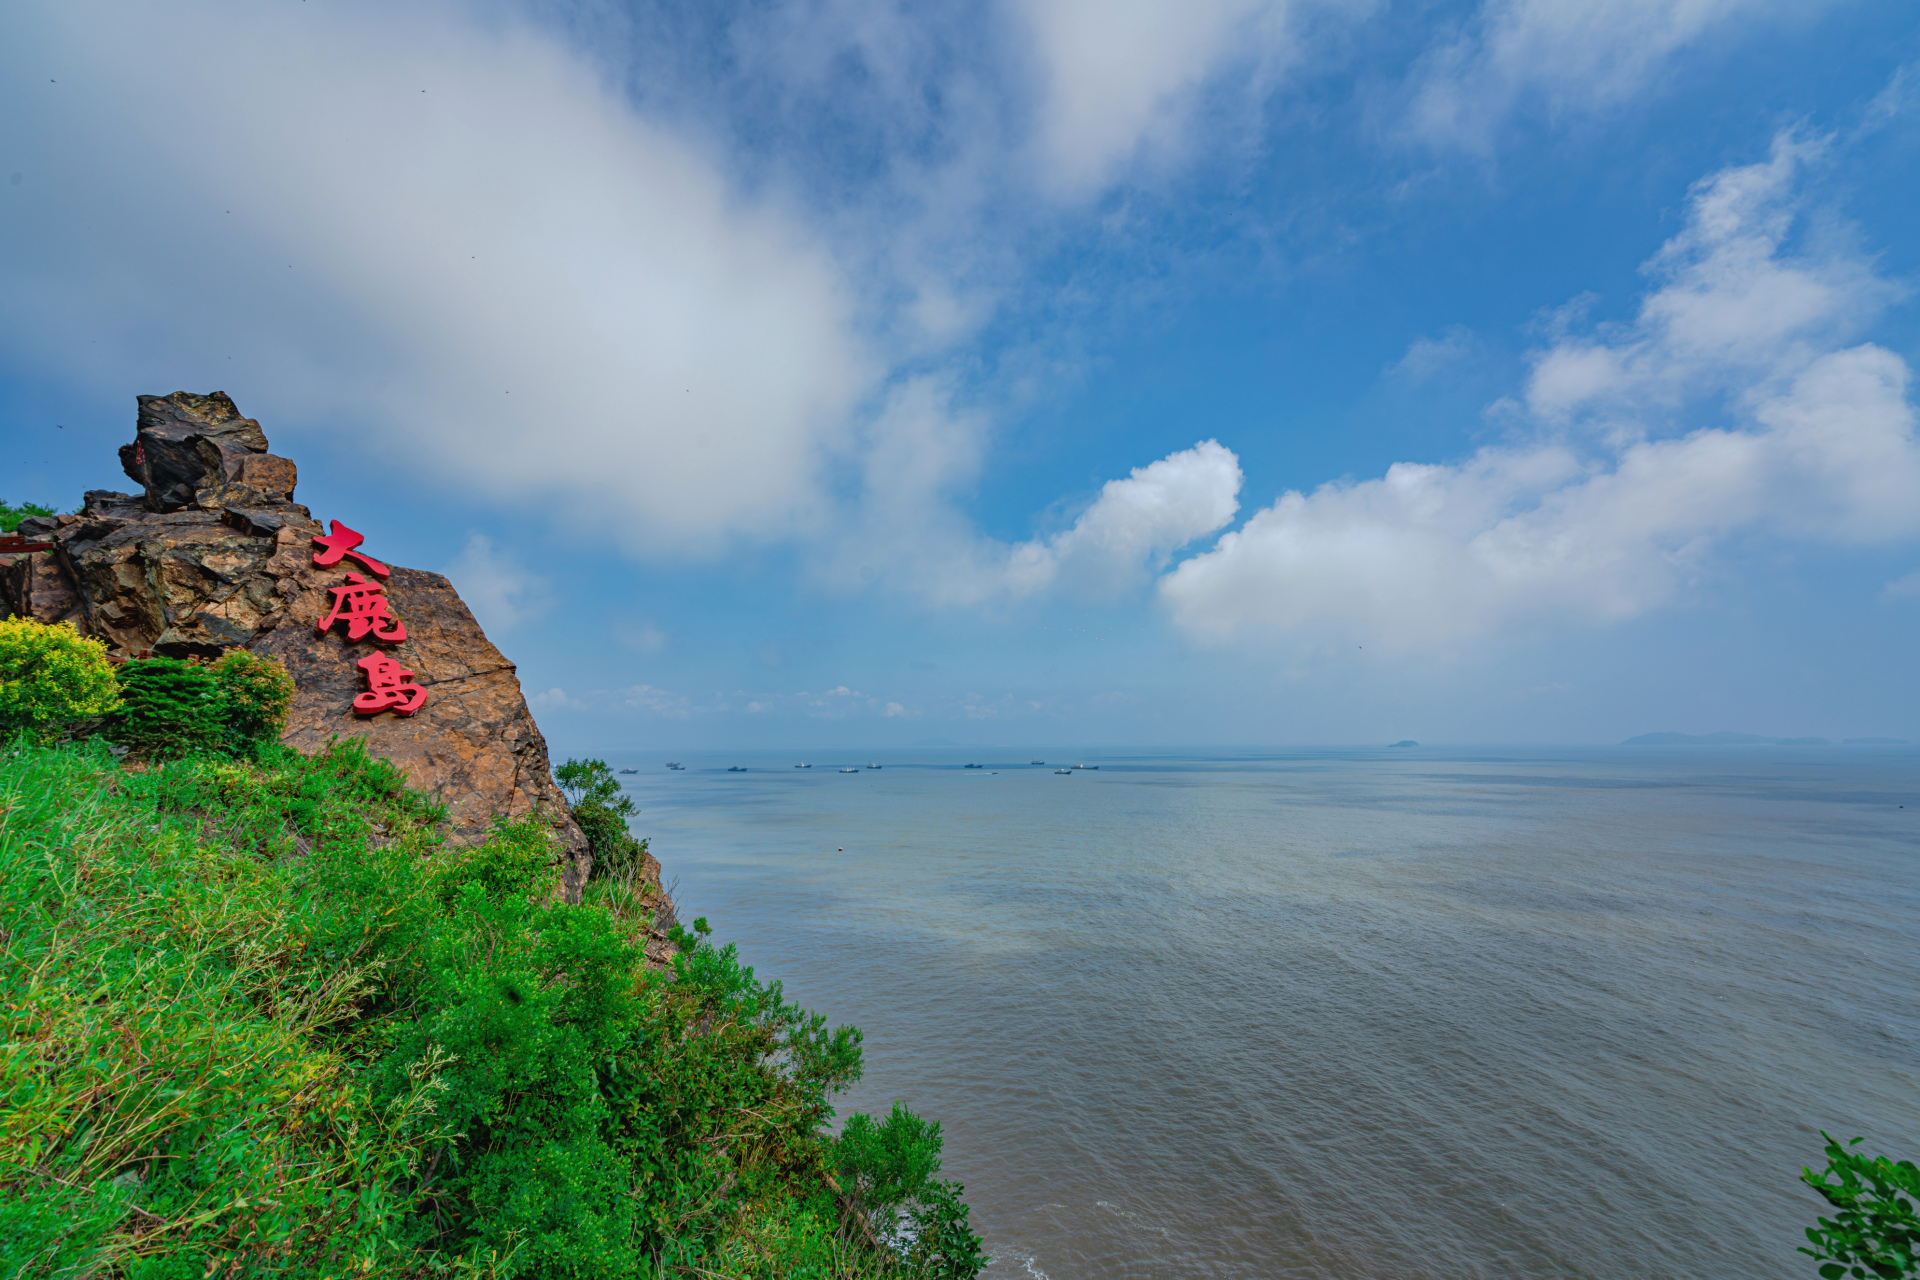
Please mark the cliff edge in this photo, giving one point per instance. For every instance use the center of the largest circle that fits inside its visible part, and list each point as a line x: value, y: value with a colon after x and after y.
x: 213, y: 554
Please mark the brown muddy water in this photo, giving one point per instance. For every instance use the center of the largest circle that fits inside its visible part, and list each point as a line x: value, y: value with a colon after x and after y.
x: 1346, y: 1013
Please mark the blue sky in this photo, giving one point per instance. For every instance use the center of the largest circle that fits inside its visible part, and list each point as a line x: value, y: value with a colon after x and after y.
x: 1052, y: 372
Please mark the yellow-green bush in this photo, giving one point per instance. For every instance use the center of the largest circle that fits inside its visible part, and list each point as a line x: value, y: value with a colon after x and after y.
x: 49, y: 676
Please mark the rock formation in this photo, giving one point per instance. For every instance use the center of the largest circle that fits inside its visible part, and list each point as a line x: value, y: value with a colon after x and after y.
x: 214, y: 554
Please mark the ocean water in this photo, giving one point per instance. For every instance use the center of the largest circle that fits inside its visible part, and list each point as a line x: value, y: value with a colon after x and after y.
x: 1346, y: 1013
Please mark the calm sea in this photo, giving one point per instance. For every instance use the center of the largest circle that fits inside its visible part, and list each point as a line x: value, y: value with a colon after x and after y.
x: 1346, y: 1013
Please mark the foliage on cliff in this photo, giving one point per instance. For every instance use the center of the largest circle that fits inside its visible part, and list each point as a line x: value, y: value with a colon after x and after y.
x: 259, y: 1020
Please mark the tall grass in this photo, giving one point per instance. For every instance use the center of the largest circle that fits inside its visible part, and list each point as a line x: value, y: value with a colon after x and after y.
x: 259, y: 1020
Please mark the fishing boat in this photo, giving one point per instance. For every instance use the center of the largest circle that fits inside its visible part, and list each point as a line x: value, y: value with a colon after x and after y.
x: 850, y: 769
x: 675, y: 764
x: 1068, y: 772
x: 734, y: 768
x: 803, y: 766
x: 636, y: 770
x: 976, y: 766
x: 1086, y: 766
x: 874, y: 766
x: 1036, y: 762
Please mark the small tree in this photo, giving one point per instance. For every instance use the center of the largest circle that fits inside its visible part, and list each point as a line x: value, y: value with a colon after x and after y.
x: 49, y: 676
x: 1874, y: 1233
x: 254, y: 694
x: 168, y: 707
x: 602, y: 810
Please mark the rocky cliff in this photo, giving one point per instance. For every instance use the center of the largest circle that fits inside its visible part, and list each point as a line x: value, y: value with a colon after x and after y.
x: 214, y: 554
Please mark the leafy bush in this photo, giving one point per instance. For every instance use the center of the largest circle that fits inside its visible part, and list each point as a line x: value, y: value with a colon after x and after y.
x: 168, y: 708
x: 11, y: 516
x: 50, y: 676
x: 260, y: 1021
x: 1874, y: 1232
x: 255, y: 693
x: 602, y: 810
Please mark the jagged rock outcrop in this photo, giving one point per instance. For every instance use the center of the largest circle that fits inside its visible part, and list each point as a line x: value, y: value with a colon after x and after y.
x: 214, y: 554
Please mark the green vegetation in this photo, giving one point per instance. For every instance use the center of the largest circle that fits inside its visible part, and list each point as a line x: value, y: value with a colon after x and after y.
x: 260, y: 1021
x: 171, y: 708
x: 602, y: 810
x: 1874, y: 1232
x: 11, y: 516
x: 50, y: 677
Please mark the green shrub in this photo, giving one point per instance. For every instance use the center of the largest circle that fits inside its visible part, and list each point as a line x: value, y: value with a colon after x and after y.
x: 255, y: 693
x: 886, y: 1171
x: 11, y: 516
x: 260, y: 1021
x: 50, y: 676
x: 168, y: 708
x: 1874, y: 1232
x: 602, y: 810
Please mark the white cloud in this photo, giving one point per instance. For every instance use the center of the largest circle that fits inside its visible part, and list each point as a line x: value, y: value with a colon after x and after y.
x: 1570, y: 55
x: 1819, y: 445
x: 1733, y: 311
x: 498, y: 588
x: 1126, y: 79
x: 1117, y: 75
x: 643, y: 636
x: 1428, y: 357
x: 437, y: 227
x: 1902, y: 588
x: 1134, y: 526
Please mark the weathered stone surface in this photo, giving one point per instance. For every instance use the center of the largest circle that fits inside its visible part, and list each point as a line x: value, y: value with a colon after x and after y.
x: 215, y: 555
x: 192, y: 450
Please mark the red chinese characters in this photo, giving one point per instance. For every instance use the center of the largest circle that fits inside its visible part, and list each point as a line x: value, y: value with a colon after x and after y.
x: 341, y: 542
x: 362, y: 605
x: 390, y: 687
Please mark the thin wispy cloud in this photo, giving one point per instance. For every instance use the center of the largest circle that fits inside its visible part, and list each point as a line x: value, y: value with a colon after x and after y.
x: 1570, y: 57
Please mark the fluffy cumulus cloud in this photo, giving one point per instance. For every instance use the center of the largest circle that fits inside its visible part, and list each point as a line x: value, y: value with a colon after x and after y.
x: 1134, y: 527
x: 439, y: 228
x: 1614, y: 500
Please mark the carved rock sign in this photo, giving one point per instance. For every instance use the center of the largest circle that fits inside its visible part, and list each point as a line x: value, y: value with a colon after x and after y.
x: 361, y: 603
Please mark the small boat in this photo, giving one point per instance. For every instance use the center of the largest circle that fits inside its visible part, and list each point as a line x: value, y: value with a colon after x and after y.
x: 1068, y: 772
x: 734, y: 768
x: 636, y: 770
x: 1036, y: 762
x: 675, y: 764
x: 875, y: 766
x: 849, y: 769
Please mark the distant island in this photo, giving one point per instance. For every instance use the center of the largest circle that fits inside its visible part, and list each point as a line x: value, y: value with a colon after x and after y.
x: 1749, y: 740
x: 1404, y: 742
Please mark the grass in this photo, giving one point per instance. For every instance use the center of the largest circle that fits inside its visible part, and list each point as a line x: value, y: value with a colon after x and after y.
x: 259, y: 1020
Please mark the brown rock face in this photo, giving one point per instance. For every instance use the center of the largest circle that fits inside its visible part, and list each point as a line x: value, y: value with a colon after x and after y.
x: 215, y: 555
